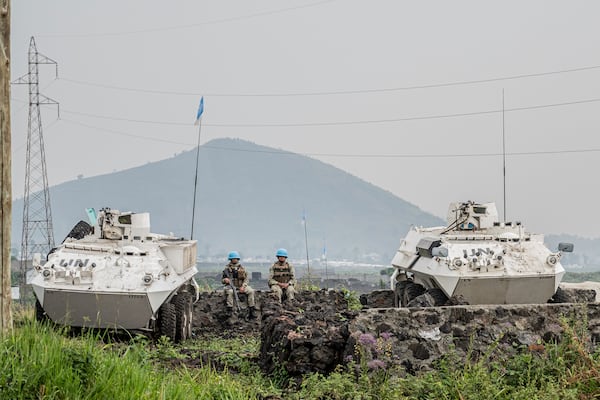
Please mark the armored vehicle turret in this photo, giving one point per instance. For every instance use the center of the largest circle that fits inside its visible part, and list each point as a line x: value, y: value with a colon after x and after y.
x: 476, y: 259
x: 116, y: 274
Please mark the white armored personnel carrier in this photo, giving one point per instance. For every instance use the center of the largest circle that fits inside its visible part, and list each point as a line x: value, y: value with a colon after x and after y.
x: 476, y: 260
x: 117, y: 274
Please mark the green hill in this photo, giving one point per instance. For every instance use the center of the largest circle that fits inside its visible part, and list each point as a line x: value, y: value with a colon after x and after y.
x: 250, y: 198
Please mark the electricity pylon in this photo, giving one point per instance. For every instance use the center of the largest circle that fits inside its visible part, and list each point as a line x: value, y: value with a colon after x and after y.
x: 37, y: 235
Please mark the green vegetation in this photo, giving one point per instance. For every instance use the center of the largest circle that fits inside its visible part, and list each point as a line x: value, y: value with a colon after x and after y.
x: 40, y: 361
x: 577, y: 277
x: 352, y: 299
x: 208, y: 284
x: 552, y: 371
x: 308, y: 282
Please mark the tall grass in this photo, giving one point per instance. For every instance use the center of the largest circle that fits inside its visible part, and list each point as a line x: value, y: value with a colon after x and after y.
x: 39, y: 362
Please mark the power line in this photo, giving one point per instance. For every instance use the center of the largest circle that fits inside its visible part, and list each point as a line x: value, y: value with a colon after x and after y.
x: 124, y: 133
x: 26, y: 103
x: 333, y: 123
x: 328, y: 93
x: 343, y: 155
x: 523, y: 153
x: 140, y: 121
x: 187, y: 26
x: 137, y: 90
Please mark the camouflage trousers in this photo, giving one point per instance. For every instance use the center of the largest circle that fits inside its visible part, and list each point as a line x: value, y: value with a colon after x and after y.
x: 278, y: 291
x: 249, y: 294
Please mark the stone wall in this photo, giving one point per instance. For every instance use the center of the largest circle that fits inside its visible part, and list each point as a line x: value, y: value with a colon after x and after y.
x: 416, y: 338
x: 308, y: 335
x: 316, y: 332
x: 413, y: 339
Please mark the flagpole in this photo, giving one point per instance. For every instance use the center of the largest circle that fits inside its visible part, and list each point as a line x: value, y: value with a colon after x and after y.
x: 325, y: 258
x: 306, y: 246
x: 196, y: 179
x: 199, y: 122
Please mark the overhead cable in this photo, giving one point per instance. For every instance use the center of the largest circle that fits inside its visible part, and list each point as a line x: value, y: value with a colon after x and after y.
x: 331, y: 92
x: 332, y: 123
x: 340, y: 155
x: 186, y: 26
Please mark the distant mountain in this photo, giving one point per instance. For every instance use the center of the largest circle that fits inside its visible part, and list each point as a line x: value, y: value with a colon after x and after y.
x: 585, y: 257
x: 250, y: 198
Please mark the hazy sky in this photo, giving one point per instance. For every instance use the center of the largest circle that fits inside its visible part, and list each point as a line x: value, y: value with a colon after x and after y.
x: 404, y: 94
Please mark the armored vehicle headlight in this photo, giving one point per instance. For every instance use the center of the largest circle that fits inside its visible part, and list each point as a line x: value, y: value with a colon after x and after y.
x: 46, y: 274
x: 147, y: 279
x: 552, y: 260
x: 439, y: 252
x: 457, y: 262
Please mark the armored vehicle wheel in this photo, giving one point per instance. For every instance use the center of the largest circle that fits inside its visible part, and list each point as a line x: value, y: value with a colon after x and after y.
x: 438, y: 296
x: 399, y: 293
x: 183, y: 311
x: 424, y: 300
x: 40, y: 314
x: 559, y: 297
x: 411, y: 291
x: 168, y: 321
x: 190, y: 305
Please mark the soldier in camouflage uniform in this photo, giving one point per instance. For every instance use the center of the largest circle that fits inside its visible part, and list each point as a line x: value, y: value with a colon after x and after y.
x: 236, y: 273
x: 282, y: 277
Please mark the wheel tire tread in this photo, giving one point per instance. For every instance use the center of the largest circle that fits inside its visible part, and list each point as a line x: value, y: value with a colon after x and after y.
x: 168, y: 321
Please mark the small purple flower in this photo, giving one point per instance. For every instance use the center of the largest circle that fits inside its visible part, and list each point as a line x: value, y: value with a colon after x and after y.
x: 376, y: 364
x: 349, y: 358
x: 385, y: 335
x: 366, y: 339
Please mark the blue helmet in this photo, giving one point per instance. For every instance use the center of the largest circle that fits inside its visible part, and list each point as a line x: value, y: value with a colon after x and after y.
x: 233, y: 254
x: 281, y: 253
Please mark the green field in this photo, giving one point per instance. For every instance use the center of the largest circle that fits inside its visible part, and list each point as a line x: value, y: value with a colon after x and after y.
x: 40, y: 361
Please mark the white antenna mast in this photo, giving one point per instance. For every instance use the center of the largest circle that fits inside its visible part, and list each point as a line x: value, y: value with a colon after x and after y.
x: 503, y: 157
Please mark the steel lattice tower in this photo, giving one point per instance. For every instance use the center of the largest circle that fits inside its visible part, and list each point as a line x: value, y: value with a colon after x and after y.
x: 37, y: 235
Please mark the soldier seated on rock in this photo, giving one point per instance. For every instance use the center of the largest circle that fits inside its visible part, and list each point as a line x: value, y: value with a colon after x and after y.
x: 282, y: 277
x: 235, y: 275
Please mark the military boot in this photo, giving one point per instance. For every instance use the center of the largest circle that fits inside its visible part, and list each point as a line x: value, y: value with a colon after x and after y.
x: 252, y: 313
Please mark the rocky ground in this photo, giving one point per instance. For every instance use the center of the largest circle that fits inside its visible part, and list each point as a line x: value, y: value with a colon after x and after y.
x: 317, y: 332
x: 583, y: 287
x: 212, y: 318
